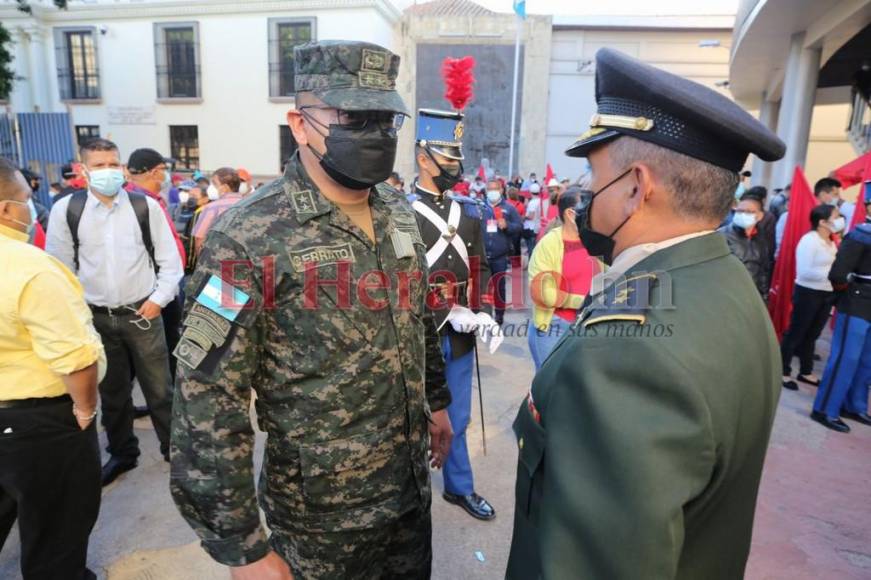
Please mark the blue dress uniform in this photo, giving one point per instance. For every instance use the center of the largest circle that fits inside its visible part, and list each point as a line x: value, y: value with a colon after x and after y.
x: 844, y: 388
x: 451, y: 229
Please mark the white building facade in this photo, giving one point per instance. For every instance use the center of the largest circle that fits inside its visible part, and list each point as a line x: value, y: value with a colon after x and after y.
x: 207, y: 82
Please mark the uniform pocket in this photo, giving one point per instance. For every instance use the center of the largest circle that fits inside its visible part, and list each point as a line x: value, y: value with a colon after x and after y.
x: 530, y: 465
x: 354, y: 483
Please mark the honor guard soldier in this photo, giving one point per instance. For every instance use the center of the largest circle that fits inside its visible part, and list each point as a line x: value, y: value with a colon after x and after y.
x: 451, y: 229
x: 349, y: 381
x: 844, y: 389
x: 642, y: 440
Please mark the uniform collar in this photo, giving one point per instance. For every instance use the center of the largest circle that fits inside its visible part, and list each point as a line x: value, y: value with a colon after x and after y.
x: 14, y: 234
x: 302, y: 192
x: 422, y: 189
x: 648, y: 256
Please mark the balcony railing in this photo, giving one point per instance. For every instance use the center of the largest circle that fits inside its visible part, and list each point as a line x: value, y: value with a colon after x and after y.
x: 859, y: 129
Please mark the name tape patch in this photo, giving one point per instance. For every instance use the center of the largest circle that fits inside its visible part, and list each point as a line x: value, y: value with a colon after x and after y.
x: 321, y: 255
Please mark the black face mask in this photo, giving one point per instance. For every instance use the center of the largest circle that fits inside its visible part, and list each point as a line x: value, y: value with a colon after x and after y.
x: 596, y: 244
x: 445, y: 180
x: 357, y: 158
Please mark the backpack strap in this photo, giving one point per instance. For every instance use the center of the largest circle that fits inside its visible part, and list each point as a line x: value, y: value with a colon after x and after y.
x: 140, y: 208
x: 75, y: 209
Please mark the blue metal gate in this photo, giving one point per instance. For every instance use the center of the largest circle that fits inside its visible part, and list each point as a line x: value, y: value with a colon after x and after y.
x: 41, y: 142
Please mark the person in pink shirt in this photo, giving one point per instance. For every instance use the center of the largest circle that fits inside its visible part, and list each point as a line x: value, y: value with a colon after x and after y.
x: 224, y: 185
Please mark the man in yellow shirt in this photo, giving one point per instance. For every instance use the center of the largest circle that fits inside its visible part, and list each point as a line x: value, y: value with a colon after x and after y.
x: 49, y: 360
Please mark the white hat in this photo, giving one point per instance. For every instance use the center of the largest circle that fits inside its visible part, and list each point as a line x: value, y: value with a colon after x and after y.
x: 534, y: 188
x: 553, y: 182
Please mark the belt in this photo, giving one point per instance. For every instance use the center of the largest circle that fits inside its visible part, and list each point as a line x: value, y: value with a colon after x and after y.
x: 37, y: 402
x: 118, y: 310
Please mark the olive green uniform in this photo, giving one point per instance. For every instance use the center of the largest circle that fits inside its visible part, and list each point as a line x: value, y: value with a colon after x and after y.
x: 641, y: 450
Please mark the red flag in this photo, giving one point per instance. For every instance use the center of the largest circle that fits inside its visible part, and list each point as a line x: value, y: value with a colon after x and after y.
x: 854, y: 172
x: 482, y: 173
x: 548, y: 175
x: 801, y: 202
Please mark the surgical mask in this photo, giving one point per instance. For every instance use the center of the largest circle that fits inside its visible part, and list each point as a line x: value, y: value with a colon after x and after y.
x: 597, y: 244
x: 29, y: 203
x: 106, y: 181
x: 494, y: 196
x: 356, y: 158
x: 244, y: 188
x: 212, y: 192
x: 833, y: 202
x: 744, y: 220
x: 838, y: 224
x: 445, y: 180
x: 167, y: 181
x: 183, y: 197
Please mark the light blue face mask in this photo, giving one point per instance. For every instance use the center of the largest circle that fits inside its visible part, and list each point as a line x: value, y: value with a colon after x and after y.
x: 167, y: 180
x: 32, y: 225
x: 106, y: 181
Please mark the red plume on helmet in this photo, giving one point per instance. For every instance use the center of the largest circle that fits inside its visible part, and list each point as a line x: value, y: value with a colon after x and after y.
x: 459, y: 78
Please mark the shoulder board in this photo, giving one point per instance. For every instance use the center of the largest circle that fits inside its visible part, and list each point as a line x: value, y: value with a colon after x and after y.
x: 863, y: 231
x: 627, y: 300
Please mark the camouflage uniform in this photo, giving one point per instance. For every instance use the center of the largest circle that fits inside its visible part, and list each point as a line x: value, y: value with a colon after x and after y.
x: 344, y: 389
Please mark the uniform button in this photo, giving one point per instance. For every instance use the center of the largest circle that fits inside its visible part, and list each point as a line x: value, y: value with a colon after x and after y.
x: 450, y: 257
x: 520, y: 443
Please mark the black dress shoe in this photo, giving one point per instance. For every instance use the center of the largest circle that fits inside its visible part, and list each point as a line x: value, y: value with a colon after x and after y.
x: 833, y: 424
x: 140, y: 412
x: 477, y: 506
x: 115, y: 467
x: 809, y: 380
x: 863, y: 418
x: 790, y: 385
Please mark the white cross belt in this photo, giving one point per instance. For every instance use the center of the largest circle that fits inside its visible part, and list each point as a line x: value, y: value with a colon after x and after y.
x: 446, y: 238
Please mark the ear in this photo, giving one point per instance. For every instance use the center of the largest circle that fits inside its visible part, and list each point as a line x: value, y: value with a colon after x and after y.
x: 296, y: 122
x: 643, y: 187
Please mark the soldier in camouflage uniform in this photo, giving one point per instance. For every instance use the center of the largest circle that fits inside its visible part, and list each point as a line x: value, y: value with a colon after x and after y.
x: 319, y: 309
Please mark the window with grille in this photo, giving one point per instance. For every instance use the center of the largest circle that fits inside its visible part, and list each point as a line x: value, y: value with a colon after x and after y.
x: 284, y: 35
x: 85, y: 133
x: 78, y: 74
x: 184, y: 144
x: 177, y: 55
x: 288, y: 145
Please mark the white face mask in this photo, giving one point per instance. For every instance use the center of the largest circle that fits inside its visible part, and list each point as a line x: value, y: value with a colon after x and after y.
x: 184, y: 197
x: 837, y: 225
x: 744, y: 220
x: 244, y: 188
x: 212, y: 192
x: 493, y: 196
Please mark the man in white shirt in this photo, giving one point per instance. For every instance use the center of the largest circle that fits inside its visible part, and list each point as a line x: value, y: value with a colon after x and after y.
x: 124, y: 253
x: 532, y: 218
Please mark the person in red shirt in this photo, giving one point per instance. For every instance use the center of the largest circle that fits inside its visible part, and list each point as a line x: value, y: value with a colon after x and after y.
x: 149, y: 175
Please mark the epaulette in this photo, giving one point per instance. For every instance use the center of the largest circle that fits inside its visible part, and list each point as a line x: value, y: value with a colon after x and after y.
x: 862, y: 233
x: 627, y: 300
x: 471, y: 207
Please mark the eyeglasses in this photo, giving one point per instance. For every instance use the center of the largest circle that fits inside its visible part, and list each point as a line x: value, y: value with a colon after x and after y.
x: 361, y: 119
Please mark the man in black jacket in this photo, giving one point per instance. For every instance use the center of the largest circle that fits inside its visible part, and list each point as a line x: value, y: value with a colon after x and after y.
x: 748, y: 244
x: 501, y: 224
x: 844, y: 389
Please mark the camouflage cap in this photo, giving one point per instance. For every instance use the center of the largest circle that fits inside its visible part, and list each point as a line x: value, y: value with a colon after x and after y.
x: 349, y: 75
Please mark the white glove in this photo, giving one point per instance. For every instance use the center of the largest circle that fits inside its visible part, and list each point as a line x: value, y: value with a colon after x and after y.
x: 464, y: 320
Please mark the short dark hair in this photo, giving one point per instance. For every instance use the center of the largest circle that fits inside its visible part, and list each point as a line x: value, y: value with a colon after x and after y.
x: 228, y: 176
x: 753, y: 198
x: 756, y: 192
x: 56, y: 185
x: 7, y: 177
x: 821, y: 213
x: 569, y: 199
x: 395, y: 175
x: 826, y: 185
x: 96, y: 144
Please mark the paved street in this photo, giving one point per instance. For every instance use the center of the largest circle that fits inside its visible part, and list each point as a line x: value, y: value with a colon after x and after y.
x: 812, y: 518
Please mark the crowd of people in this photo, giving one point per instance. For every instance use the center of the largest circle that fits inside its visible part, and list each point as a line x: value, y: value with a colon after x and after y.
x: 200, y: 289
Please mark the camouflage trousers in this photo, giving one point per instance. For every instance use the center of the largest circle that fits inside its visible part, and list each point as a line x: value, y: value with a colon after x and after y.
x: 402, y: 550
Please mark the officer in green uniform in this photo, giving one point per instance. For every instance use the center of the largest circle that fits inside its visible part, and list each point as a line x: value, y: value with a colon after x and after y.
x: 642, y: 440
x: 310, y: 293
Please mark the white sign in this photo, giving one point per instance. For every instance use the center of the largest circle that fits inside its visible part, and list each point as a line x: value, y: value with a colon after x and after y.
x: 131, y: 115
